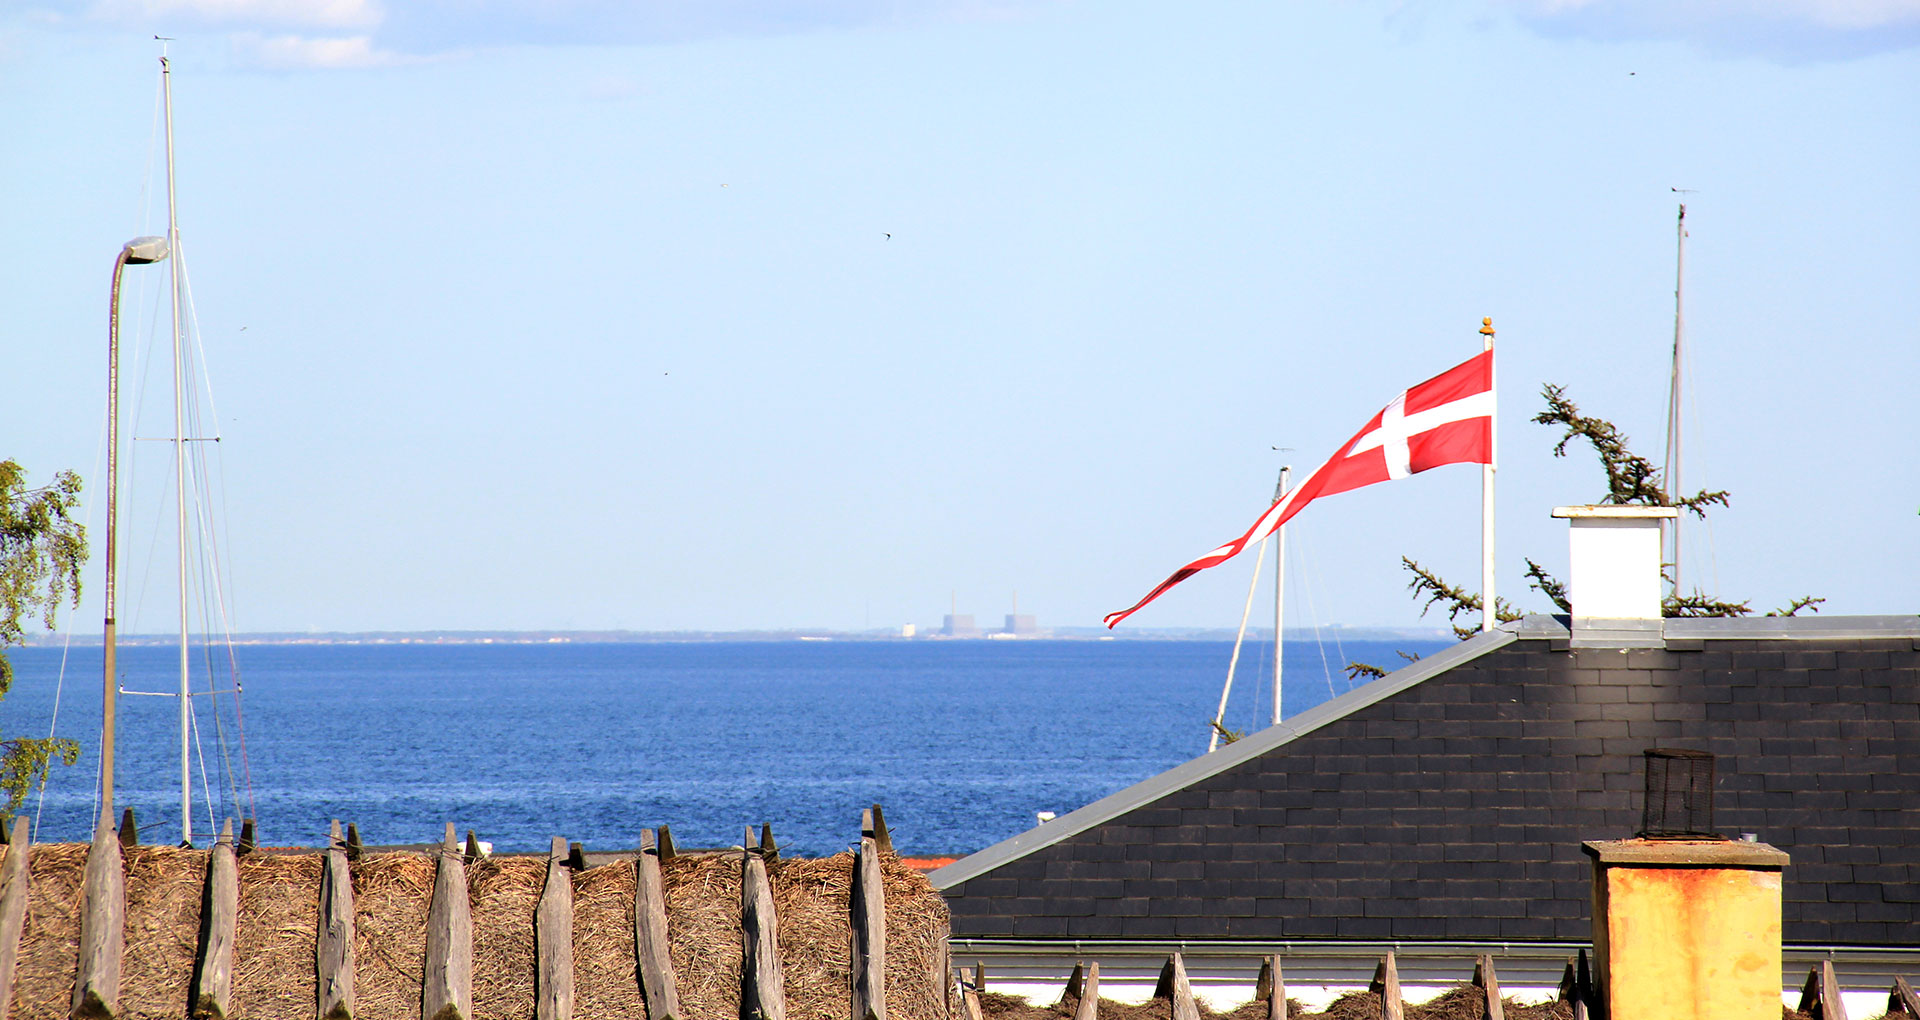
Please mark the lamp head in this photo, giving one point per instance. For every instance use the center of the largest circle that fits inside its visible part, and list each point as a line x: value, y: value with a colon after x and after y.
x: 142, y: 250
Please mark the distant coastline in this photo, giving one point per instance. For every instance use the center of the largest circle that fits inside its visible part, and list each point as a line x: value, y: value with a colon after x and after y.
x: 562, y: 637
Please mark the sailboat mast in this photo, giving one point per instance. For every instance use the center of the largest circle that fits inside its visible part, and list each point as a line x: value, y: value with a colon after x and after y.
x: 1279, y: 593
x: 1671, y: 478
x: 179, y: 459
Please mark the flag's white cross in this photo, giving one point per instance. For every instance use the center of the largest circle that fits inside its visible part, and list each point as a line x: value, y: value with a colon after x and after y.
x: 1397, y: 426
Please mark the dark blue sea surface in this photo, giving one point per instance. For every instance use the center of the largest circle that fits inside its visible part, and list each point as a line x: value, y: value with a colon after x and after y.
x: 961, y: 741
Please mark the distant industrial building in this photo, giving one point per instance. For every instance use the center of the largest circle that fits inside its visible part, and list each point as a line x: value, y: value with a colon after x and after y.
x: 959, y: 625
x: 1021, y: 625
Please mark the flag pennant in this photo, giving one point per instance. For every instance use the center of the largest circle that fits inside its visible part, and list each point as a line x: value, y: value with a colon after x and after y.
x: 1446, y: 420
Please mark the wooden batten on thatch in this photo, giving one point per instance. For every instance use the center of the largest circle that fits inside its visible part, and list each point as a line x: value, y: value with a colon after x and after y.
x: 276, y: 940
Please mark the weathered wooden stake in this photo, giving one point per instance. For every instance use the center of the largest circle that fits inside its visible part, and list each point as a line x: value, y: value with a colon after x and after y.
x: 769, y: 850
x: 1820, y: 997
x: 447, y: 992
x: 1173, y: 985
x: 129, y: 832
x: 248, y: 843
x: 1072, y: 992
x: 1271, y: 988
x: 353, y: 842
x: 869, y: 909
x: 878, y: 827
x: 763, y: 984
x: 1899, y: 999
x: 657, y: 981
x: 96, y: 986
x: 666, y: 843
x: 1386, y: 984
x: 1088, y: 1008
x: 980, y: 976
x: 577, y: 856
x: 472, y: 851
x: 970, y: 1002
x: 553, y: 939
x: 1488, y: 982
x: 15, y: 888
x: 333, y: 951
x: 212, y: 994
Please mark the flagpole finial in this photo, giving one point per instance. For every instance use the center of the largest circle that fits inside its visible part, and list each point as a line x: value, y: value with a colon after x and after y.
x: 1486, y: 326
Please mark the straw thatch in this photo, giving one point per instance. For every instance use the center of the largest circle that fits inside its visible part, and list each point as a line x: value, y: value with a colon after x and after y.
x: 703, y: 934
x: 273, y: 972
x: 504, y: 894
x: 164, y: 888
x: 391, y: 896
x: 605, y: 982
x: 50, y: 941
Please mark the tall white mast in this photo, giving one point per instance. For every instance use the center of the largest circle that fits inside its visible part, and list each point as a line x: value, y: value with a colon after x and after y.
x: 1279, y: 593
x: 179, y: 460
x: 1670, y: 479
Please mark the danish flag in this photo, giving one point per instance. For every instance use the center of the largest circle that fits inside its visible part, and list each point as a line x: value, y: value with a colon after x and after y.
x: 1446, y: 420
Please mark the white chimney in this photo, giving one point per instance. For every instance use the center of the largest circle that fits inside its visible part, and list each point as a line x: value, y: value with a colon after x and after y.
x: 1615, y: 561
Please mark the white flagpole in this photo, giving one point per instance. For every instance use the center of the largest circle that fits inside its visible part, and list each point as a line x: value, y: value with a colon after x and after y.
x: 1279, y: 593
x: 1220, y: 715
x: 1488, y: 601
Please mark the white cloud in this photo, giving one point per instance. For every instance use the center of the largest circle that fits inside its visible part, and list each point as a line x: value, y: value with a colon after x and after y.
x: 1785, y: 29
x: 326, y: 14
x: 293, y: 52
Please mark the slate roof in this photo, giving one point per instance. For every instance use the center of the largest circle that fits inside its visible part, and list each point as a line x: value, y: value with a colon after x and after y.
x: 1449, y: 799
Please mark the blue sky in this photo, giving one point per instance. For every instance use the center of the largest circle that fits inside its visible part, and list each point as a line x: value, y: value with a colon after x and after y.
x: 586, y: 315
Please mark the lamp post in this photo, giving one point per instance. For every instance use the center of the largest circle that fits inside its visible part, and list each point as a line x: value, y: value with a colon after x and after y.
x: 138, y: 252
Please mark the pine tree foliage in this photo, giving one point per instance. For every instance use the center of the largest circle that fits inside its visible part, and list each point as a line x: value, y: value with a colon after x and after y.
x: 41, y: 550
x: 1631, y: 478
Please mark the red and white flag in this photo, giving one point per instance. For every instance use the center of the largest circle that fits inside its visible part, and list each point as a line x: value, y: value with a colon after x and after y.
x: 1446, y: 420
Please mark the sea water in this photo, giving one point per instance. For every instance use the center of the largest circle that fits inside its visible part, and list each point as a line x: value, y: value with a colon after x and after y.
x: 962, y: 742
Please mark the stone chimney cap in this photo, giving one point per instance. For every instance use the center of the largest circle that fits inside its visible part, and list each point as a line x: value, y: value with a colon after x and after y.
x: 1616, y: 510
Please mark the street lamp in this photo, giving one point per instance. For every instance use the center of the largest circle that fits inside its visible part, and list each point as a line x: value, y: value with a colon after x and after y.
x: 138, y: 252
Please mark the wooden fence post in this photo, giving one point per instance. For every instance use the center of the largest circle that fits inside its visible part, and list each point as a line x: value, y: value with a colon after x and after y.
x: 447, y: 991
x: 1820, y: 997
x: 333, y: 956
x: 96, y: 986
x: 763, y: 993
x: 1075, y: 980
x: 129, y: 831
x: 657, y: 980
x: 353, y: 842
x: 212, y: 994
x: 869, y: 910
x: 553, y: 939
x: 769, y: 850
x: 1386, y: 984
x: 1491, y: 1008
x: 1900, y: 999
x: 1173, y: 985
x: 1088, y: 1008
x: 877, y: 828
x: 1270, y: 987
x: 15, y: 888
x: 666, y: 844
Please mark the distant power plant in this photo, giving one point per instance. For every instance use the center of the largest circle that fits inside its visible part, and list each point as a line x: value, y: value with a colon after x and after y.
x: 962, y: 625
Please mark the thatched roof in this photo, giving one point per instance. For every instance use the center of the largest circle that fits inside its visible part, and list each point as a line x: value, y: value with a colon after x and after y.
x: 274, y: 961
